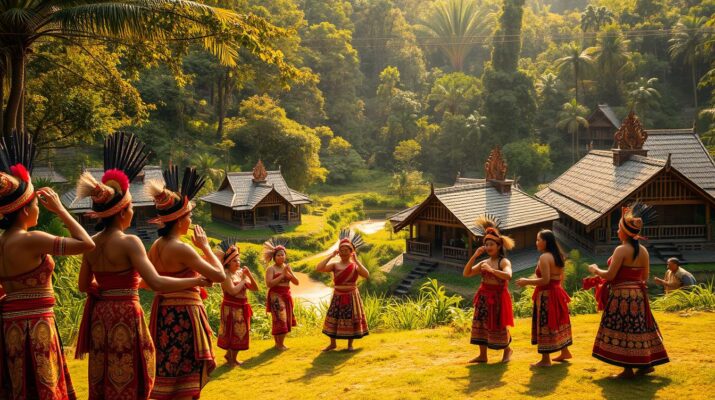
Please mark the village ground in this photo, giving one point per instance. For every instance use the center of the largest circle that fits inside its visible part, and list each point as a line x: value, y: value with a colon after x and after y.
x: 428, y: 364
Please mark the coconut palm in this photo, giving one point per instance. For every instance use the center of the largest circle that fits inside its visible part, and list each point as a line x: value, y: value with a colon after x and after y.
x: 457, y: 26
x: 687, y: 43
x: 23, y: 23
x: 577, y: 62
x: 548, y: 85
x: 643, y: 96
x: 611, y: 58
x: 571, y: 118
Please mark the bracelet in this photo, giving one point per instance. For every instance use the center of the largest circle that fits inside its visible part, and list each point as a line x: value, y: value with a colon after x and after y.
x: 58, y: 246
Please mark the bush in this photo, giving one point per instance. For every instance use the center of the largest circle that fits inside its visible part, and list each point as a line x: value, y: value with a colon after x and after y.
x: 700, y: 298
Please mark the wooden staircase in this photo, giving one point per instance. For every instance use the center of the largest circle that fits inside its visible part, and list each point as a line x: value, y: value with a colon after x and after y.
x: 664, y: 251
x: 277, y: 228
x: 417, y: 273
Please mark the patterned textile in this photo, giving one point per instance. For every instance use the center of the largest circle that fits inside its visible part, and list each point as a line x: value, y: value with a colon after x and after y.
x: 33, y: 352
x: 628, y: 335
x: 346, y: 318
x: 234, y: 333
x: 184, y: 359
x: 279, y: 303
x: 550, y: 322
x: 121, y: 353
x: 492, y: 316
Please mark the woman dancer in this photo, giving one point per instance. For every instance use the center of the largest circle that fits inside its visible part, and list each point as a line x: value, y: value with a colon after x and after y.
x: 279, y: 302
x: 492, y: 303
x: 179, y: 324
x: 550, y: 322
x: 113, y: 331
x: 33, y: 353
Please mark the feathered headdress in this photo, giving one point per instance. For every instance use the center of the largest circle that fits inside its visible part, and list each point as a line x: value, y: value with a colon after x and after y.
x: 17, y: 155
x: 124, y: 158
x: 349, y: 238
x: 271, y: 247
x: 171, y: 200
x: 488, y: 226
x: 634, y: 217
x: 228, y: 251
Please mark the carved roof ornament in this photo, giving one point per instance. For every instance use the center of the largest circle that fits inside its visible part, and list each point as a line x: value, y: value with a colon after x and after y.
x: 631, y: 135
x: 259, y: 172
x: 495, y: 166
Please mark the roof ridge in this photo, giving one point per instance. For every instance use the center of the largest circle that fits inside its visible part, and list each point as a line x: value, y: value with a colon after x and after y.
x: 665, y: 131
x: 460, y: 188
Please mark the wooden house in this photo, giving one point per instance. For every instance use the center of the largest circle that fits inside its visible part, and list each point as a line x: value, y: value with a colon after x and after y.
x: 442, y: 227
x: 256, y: 199
x: 668, y: 169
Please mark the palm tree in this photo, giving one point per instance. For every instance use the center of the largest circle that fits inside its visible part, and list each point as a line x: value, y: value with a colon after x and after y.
x: 207, y: 165
x: 687, y: 43
x: 571, y: 118
x: 589, y: 20
x: 457, y: 26
x: 577, y: 62
x: 643, y: 96
x: 611, y: 57
x: 23, y: 23
x: 548, y: 85
x: 452, y: 94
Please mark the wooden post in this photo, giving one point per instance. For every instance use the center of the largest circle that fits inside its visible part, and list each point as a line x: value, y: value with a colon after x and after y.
x: 254, y: 216
x: 608, y: 229
x: 707, y: 221
x: 469, y: 244
x: 411, y: 231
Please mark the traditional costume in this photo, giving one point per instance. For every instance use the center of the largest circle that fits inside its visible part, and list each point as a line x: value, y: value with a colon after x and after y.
x: 235, y: 328
x: 113, y: 331
x: 33, y: 353
x: 179, y: 324
x: 628, y: 335
x: 493, y: 312
x: 550, y: 321
x: 279, y: 302
x: 345, y: 318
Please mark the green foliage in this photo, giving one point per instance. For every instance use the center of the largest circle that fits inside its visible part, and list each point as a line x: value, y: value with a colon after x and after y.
x: 455, y: 93
x: 700, y: 297
x: 529, y: 161
x: 575, y: 270
x: 505, y: 54
x: 406, y: 154
x: 341, y: 160
x: 406, y: 184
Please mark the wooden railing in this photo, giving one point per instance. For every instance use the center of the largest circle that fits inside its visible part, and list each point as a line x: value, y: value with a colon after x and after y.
x: 454, y: 253
x: 664, y: 232
x: 419, y: 248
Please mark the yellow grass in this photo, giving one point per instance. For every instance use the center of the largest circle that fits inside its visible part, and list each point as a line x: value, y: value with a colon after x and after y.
x: 431, y: 364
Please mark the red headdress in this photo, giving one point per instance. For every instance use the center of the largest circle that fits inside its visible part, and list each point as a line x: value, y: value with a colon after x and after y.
x: 16, y: 158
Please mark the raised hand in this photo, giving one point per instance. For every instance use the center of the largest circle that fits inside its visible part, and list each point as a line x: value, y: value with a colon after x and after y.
x: 50, y: 199
x: 199, y: 238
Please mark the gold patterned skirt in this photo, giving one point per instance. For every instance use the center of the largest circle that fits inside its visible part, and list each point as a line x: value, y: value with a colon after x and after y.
x: 234, y: 333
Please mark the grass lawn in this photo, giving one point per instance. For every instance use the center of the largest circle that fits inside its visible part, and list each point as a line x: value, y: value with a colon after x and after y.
x: 373, y: 181
x: 429, y: 364
x: 310, y: 224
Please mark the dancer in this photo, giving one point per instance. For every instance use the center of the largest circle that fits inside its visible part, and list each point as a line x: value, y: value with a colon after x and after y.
x: 493, y: 312
x: 550, y: 321
x: 179, y: 324
x: 113, y: 331
x: 628, y: 335
x: 33, y: 353
x: 345, y: 318
x: 235, y: 329
x: 279, y: 302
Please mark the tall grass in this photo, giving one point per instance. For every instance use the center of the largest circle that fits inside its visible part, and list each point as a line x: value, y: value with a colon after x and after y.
x: 700, y: 297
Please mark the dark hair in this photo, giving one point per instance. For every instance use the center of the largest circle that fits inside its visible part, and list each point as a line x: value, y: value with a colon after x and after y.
x: 104, y: 223
x: 636, y: 247
x: 166, y: 229
x: 552, y: 246
x: 9, y: 220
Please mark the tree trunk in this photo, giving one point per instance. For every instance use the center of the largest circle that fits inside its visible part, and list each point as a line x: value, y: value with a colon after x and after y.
x: 695, y: 86
x: 20, y: 123
x: 575, y: 77
x: 17, y: 84
x: 573, y: 148
x: 221, y: 104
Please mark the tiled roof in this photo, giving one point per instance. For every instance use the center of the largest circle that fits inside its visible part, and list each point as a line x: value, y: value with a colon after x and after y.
x: 239, y: 192
x: 608, y: 113
x: 139, y: 198
x: 593, y: 186
x: 688, y: 154
x: 48, y: 174
x: 467, y: 201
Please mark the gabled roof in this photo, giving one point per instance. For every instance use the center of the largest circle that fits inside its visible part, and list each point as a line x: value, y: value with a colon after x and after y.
x: 139, y: 198
x: 688, y: 154
x: 467, y: 201
x: 594, y: 186
x: 48, y: 174
x: 608, y: 113
x: 239, y: 192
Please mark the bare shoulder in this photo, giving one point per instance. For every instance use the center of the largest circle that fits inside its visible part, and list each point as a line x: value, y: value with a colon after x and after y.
x: 546, y: 257
x: 131, y: 242
x: 505, y: 262
x: 644, y: 250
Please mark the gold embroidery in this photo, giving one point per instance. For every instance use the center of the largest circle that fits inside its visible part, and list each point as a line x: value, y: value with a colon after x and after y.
x: 14, y: 341
x: 120, y: 338
x: 98, y: 335
x: 121, y: 369
x: 239, y: 324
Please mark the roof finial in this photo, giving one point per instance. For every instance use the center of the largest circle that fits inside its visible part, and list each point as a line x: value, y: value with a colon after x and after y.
x: 431, y: 188
x: 667, y: 162
x: 631, y: 135
x: 495, y: 166
x: 259, y: 172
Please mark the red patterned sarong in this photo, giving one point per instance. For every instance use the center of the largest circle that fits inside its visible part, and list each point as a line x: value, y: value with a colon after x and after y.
x: 628, y: 335
x: 279, y: 303
x: 113, y: 332
x: 550, y: 322
x: 493, y: 315
x: 180, y: 329
x: 235, y: 330
x: 345, y: 318
x: 33, y: 352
